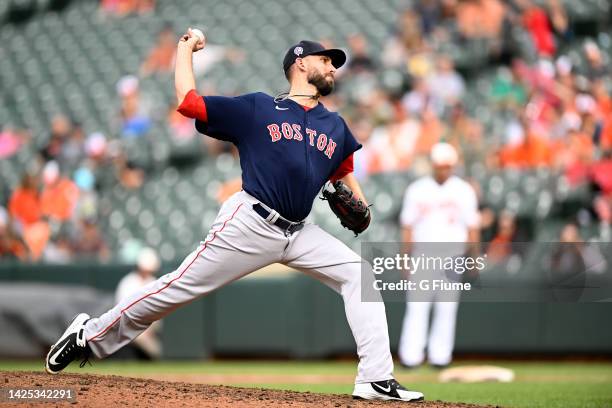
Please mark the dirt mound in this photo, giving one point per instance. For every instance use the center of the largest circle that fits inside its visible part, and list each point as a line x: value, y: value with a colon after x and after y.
x: 110, y: 391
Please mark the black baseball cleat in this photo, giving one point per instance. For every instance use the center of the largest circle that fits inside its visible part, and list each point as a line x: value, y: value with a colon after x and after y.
x: 71, y: 346
x: 386, y: 390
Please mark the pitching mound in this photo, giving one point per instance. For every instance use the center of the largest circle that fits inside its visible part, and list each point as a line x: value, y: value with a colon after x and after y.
x: 110, y: 391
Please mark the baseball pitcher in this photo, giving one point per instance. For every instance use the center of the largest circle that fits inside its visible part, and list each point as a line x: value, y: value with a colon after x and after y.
x: 289, y: 147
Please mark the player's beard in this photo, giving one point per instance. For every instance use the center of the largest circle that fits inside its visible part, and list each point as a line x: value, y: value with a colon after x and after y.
x: 324, y: 85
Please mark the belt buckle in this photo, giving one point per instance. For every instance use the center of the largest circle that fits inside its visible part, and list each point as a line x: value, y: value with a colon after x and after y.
x: 293, y: 228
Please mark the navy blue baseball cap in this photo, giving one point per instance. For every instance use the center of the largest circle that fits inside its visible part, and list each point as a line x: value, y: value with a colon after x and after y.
x: 305, y: 48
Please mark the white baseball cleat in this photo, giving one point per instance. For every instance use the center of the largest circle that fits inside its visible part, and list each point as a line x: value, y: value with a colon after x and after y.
x: 386, y: 390
x: 70, y: 346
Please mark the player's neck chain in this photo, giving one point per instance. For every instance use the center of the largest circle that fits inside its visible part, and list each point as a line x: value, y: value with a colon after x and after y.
x: 285, y: 95
x: 317, y: 96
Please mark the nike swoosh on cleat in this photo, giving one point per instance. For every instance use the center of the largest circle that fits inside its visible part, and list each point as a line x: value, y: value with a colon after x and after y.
x: 279, y: 108
x: 381, y: 389
x: 54, y: 356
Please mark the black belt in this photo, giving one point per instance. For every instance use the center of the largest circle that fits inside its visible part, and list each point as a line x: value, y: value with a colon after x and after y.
x: 287, y: 226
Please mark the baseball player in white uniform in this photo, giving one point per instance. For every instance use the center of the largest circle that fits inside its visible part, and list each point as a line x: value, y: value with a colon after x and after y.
x: 437, y: 209
x: 289, y: 148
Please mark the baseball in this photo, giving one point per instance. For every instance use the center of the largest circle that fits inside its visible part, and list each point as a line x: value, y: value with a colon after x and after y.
x: 198, y: 33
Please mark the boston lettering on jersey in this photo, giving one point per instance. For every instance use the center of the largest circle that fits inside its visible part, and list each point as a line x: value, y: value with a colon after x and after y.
x: 294, y: 132
x: 286, y: 153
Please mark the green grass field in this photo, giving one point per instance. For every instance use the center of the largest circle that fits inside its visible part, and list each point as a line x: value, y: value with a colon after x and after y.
x: 537, y: 384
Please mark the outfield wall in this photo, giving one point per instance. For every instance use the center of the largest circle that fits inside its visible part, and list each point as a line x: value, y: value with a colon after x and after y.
x: 296, y: 316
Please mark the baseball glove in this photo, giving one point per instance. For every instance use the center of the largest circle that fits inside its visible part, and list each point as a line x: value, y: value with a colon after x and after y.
x: 351, y: 210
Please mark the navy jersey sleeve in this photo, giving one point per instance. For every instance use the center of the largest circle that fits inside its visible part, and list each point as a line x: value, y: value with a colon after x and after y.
x: 351, y: 145
x: 228, y: 118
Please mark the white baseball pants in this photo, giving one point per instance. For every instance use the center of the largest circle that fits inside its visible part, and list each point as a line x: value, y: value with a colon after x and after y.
x: 416, y: 334
x: 240, y: 242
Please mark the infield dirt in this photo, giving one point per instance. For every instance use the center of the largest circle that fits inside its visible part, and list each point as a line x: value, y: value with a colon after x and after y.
x: 111, y: 391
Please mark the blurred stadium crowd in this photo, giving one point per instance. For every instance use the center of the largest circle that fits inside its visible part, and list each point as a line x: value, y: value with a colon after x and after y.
x: 96, y: 163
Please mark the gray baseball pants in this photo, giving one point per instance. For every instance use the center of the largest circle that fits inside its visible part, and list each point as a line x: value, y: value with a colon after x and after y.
x: 240, y: 242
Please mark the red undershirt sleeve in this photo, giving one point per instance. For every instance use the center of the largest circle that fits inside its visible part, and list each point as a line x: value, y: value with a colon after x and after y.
x: 345, y: 168
x: 193, y: 106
